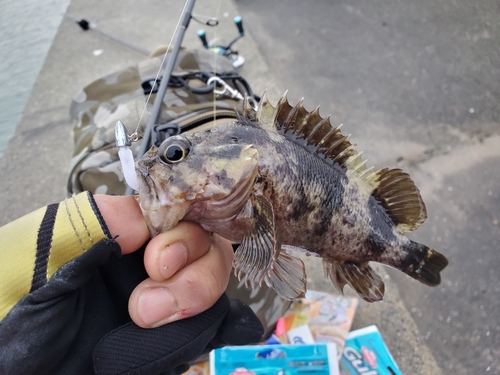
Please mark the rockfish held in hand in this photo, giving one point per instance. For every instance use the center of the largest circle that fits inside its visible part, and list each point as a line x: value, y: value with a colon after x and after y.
x: 282, y: 178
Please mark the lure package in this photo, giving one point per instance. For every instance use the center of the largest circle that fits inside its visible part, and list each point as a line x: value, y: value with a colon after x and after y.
x: 329, y: 318
x: 312, y: 337
x: 365, y: 353
x: 317, y: 359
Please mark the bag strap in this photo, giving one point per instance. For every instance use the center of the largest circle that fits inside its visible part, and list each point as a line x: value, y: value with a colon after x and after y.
x: 193, y: 121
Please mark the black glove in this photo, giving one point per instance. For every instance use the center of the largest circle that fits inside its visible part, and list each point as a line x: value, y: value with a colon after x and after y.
x: 169, y: 349
x: 55, y: 329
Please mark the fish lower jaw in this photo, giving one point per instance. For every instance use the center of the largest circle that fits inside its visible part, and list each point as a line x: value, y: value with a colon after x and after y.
x: 164, y: 218
x: 155, y: 222
x: 165, y: 210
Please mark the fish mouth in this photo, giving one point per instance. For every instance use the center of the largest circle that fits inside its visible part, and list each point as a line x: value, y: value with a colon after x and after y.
x: 160, y: 213
x: 148, y: 200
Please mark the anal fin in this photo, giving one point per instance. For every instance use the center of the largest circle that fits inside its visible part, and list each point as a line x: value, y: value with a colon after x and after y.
x: 361, y: 277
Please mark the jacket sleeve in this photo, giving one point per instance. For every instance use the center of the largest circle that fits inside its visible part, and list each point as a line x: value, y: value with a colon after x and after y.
x: 35, y: 246
x: 55, y: 303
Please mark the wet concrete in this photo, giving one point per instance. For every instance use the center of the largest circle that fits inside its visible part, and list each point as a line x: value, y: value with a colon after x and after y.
x: 418, y: 86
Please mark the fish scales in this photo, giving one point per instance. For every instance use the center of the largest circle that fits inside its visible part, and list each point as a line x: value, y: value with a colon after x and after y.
x: 304, y: 194
x: 282, y: 177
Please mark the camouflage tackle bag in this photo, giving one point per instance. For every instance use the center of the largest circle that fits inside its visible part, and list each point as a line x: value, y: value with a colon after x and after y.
x: 188, y: 105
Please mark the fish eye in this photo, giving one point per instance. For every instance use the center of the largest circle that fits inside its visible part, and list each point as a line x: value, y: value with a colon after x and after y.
x: 174, y: 150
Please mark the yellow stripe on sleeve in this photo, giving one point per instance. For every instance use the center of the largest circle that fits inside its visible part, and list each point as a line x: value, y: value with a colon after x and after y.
x: 17, y: 258
x: 76, y: 230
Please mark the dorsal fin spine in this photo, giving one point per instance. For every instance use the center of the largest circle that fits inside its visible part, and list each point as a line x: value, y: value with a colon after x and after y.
x: 298, y: 130
x: 283, y: 99
x: 353, y: 168
x: 329, y: 134
x: 315, y: 130
x: 324, y: 145
x: 343, y: 152
x: 263, y: 101
x: 366, y: 174
x: 284, y: 119
x: 360, y: 165
x: 248, y: 111
x: 350, y: 160
x: 337, y: 143
x: 292, y: 115
x: 266, y: 113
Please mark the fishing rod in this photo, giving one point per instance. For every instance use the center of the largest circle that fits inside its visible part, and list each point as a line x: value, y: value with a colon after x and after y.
x: 123, y: 140
x: 165, y: 80
x: 169, y: 68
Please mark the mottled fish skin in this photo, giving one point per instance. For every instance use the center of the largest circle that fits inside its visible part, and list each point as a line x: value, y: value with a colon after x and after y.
x: 259, y: 185
x: 304, y: 193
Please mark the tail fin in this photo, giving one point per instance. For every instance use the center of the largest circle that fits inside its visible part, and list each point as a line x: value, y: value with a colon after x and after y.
x: 428, y: 266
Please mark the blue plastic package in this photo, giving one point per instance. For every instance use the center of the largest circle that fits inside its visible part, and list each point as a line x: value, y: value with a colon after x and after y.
x: 365, y: 353
x: 314, y: 359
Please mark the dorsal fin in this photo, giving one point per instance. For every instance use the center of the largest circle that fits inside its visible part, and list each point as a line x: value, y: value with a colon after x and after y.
x: 309, y: 129
x: 393, y: 188
x: 248, y: 111
x: 266, y: 114
x: 397, y: 193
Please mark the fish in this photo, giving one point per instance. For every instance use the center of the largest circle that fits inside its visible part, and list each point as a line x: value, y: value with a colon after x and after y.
x: 282, y: 178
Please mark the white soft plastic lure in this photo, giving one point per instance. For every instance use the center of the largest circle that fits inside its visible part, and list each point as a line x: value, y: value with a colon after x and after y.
x: 125, y: 155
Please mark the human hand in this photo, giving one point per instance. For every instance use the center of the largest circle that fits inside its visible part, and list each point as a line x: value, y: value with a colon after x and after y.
x: 188, y: 273
x: 188, y: 268
x: 76, y: 307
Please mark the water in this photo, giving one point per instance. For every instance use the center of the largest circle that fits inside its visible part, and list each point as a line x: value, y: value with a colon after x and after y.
x: 27, y: 28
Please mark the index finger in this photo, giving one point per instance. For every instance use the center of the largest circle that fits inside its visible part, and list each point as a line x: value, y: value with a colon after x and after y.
x: 170, y: 251
x: 124, y: 220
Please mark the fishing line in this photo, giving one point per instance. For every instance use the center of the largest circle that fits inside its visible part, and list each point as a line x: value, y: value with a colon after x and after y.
x: 214, y: 94
x: 135, y: 136
x: 123, y: 140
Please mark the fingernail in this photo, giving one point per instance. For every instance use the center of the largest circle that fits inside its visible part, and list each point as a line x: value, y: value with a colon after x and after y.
x: 156, y: 305
x: 172, y: 259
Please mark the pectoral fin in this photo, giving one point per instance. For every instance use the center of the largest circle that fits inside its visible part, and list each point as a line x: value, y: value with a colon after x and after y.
x: 259, y: 257
x: 361, y: 277
x: 260, y: 245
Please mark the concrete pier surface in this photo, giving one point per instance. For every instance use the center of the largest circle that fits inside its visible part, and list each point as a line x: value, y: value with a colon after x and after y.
x: 418, y: 86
